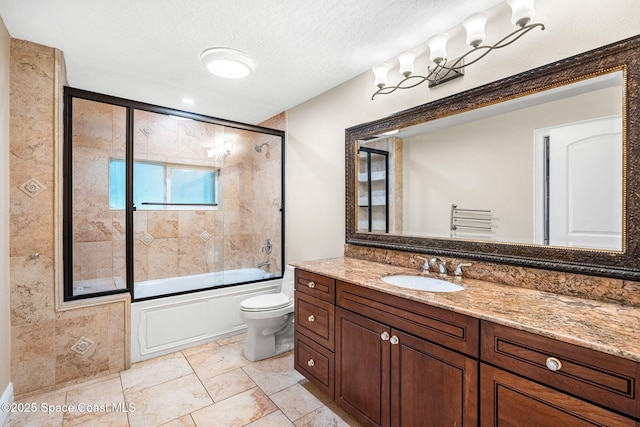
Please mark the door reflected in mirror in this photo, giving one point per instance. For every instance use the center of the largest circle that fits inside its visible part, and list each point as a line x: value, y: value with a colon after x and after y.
x: 541, y: 169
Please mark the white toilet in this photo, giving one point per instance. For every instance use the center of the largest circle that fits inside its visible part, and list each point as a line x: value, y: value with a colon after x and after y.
x: 269, y: 319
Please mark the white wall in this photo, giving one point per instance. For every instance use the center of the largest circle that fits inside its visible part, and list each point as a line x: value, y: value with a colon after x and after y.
x: 315, y: 153
x: 488, y: 164
x: 5, y: 320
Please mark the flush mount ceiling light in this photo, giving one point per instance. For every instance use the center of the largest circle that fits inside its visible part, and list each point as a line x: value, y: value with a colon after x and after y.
x: 227, y: 63
x: 441, y: 71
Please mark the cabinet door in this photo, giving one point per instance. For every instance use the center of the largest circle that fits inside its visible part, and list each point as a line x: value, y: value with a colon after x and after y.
x: 362, y: 368
x: 431, y: 386
x: 510, y: 400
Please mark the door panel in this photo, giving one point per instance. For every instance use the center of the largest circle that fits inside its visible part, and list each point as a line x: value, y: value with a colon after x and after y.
x: 431, y: 386
x: 362, y: 368
x: 585, y: 181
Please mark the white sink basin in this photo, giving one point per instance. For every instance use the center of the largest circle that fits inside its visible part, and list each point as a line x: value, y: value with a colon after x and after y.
x: 422, y: 283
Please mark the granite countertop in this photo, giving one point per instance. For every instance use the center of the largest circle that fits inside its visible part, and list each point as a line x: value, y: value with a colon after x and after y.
x: 605, y: 327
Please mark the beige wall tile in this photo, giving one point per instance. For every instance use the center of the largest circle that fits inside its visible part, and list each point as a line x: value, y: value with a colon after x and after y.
x: 192, y: 256
x: 33, y: 361
x: 118, y: 337
x: 163, y: 259
x: 92, y: 260
x: 32, y: 298
x: 162, y: 224
x: 68, y: 330
x: 92, y: 124
x: 31, y: 222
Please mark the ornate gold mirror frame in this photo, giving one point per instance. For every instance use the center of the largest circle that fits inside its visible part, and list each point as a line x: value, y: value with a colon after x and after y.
x: 624, y: 264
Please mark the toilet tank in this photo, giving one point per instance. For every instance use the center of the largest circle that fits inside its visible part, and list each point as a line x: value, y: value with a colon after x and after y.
x: 288, y: 281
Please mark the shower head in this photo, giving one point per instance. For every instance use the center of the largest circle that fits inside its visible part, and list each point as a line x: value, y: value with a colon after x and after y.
x: 259, y: 147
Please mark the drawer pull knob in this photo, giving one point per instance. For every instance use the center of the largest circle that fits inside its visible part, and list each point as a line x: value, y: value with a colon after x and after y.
x: 384, y: 336
x: 311, y: 362
x: 553, y: 364
x: 311, y: 318
x: 312, y: 285
x: 394, y: 340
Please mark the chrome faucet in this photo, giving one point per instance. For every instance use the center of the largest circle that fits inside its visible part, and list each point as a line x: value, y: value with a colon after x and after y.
x: 442, y: 268
x: 263, y: 264
x: 458, y: 270
x: 425, y: 266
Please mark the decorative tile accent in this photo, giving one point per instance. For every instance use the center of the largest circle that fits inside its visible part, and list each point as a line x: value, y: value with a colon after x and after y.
x: 32, y: 187
x: 146, y: 130
x: 82, y: 345
x: 147, y: 239
x: 205, y: 235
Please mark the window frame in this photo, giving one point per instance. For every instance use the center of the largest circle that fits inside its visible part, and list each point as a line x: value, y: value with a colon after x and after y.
x: 168, y: 202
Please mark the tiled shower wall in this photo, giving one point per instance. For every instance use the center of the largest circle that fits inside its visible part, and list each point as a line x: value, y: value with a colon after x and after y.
x: 187, y: 242
x: 170, y: 243
x: 42, y: 334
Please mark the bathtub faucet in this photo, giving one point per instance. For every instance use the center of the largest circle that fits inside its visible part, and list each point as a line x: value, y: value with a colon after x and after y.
x: 263, y: 264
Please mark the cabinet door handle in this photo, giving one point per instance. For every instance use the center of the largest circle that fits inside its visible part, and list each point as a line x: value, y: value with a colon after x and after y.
x: 311, y: 285
x: 394, y: 340
x: 553, y: 364
x: 311, y: 318
x: 311, y: 362
x: 384, y: 336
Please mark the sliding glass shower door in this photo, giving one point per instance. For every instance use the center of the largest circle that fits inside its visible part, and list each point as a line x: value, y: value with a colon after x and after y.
x: 162, y: 202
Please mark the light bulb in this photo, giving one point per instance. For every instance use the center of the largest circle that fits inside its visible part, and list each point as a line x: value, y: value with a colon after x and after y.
x: 406, y: 60
x: 521, y: 11
x: 227, y: 63
x: 475, y: 28
x: 438, y: 47
x: 380, y: 71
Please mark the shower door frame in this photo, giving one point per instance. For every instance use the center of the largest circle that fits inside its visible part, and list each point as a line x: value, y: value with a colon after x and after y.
x: 69, y: 94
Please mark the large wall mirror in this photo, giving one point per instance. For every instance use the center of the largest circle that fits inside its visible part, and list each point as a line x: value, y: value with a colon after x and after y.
x: 538, y: 169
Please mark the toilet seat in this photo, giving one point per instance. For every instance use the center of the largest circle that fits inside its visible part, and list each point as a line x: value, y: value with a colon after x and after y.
x: 266, y: 302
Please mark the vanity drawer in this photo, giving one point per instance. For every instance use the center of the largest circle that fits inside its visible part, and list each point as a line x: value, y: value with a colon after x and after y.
x: 315, y: 319
x: 315, y: 285
x: 598, y: 377
x: 315, y: 362
x: 447, y: 328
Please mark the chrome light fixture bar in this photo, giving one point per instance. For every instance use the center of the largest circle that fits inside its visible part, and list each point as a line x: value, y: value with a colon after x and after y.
x: 443, y: 70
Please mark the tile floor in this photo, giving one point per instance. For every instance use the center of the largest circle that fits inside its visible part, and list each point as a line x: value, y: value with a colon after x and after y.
x: 211, y: 385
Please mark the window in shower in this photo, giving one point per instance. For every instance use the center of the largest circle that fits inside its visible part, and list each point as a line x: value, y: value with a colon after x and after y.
x: 160, y: 202
x: 163, y: 186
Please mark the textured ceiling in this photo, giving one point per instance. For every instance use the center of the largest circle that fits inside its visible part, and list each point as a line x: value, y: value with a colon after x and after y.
x: 148, y: 50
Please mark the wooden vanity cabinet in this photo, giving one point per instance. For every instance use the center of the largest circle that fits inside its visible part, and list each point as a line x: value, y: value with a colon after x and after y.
x: 552, y: 383
x: 388, y: 377
x: 314, y: 321
x: 391, y: 361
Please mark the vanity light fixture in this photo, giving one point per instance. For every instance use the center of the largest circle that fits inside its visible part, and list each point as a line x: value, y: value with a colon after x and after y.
x: 227, y: 63
x: 441, y: 71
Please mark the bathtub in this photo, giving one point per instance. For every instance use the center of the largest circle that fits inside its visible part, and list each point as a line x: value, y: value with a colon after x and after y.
x: 164, y: 325
x: 172, y: 285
